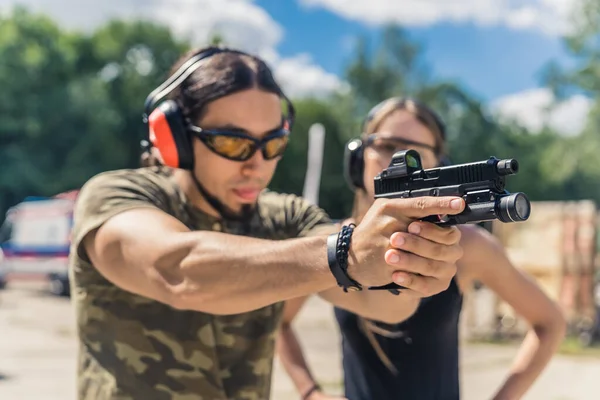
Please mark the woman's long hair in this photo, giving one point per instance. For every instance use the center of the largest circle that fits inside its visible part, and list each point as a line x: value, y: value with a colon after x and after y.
x: 376, y: 117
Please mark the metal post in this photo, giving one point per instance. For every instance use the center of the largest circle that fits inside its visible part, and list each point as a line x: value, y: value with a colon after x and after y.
x: 312, y: 181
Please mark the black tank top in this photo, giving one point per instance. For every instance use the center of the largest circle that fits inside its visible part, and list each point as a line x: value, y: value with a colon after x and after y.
x: 424, y: 353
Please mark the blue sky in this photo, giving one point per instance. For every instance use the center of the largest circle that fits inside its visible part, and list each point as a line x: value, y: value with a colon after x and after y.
x: 495, y: 48
x: 491, y: 61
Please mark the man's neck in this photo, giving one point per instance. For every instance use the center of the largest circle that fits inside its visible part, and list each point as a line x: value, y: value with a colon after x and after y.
x: 185, y: 180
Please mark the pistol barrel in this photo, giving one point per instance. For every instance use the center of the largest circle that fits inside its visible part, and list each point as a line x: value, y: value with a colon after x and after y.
x: 507, y: 167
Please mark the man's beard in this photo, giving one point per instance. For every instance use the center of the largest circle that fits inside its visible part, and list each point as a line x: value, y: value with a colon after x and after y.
x: 245, y: 213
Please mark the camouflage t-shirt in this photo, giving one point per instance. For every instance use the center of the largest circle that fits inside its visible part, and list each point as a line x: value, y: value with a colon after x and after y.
x: 132, y: 347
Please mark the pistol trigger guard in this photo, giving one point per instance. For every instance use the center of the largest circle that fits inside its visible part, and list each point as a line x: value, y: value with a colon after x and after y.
x: 391, y: 287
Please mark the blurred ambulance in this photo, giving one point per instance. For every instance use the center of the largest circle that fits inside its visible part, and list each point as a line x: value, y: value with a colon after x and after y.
x: 34, y: 242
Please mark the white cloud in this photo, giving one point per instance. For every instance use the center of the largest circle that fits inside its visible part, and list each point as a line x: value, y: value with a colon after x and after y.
x: 534, y: 109
x: 548, y: 16
x: 299, y: 72
x: 242, y: 23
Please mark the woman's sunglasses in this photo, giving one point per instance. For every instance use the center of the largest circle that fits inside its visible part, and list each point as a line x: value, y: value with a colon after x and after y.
x: 375, y: 140
x: 387, y: 146
x: 238, y: 146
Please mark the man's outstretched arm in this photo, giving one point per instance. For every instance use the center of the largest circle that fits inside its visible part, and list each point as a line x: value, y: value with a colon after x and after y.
x: 150, y: 253
x: 144, y: 250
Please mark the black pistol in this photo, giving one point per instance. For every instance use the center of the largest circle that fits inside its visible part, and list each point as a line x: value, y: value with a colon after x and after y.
x: 481, y: 184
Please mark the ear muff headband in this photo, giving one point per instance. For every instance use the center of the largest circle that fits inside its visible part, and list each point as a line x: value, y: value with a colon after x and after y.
x: 176, y: 79
x: 166, y: 123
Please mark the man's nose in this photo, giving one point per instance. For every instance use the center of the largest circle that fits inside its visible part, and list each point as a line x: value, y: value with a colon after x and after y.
x: 253, y: 164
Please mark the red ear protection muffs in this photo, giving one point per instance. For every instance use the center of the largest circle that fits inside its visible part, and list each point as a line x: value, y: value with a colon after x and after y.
x: 167, y: 124
x: 354, y: 164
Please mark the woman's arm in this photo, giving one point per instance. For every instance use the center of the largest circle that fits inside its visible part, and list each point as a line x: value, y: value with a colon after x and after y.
x: 292, y: 358
x: 486, y: 261
x: 375, y: 305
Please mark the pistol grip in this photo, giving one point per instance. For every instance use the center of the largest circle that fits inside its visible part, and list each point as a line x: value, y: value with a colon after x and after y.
x: 391, y: 287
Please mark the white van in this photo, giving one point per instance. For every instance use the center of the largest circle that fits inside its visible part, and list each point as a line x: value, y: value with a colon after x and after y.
x: 35, y: 239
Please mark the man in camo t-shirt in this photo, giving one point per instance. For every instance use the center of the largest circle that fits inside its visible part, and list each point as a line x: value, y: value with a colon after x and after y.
x: 179, y: 272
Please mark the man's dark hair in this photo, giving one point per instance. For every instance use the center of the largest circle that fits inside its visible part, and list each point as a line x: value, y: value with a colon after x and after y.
x: 221, y: 74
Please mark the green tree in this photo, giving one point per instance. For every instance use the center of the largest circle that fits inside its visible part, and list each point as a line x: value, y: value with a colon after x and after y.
x: 52, y: 116
x: 553, y: 167
x: 132, y: 58
x: 334, y: 196
x: 71, y: 103
x: 573, y: 161
x: 395, y: 67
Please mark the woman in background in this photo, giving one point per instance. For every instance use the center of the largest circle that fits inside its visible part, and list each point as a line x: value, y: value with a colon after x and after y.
x: 419, y: 357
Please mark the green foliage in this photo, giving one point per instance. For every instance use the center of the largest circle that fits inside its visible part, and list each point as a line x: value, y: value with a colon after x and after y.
x: 72, y: 104
x: 572, y: 164
x: 334, y: 196
x: 132, y: 58
x: 48, y: 108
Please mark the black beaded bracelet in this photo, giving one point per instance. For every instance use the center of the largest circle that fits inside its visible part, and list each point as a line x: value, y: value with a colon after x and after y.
x: 338, y: 245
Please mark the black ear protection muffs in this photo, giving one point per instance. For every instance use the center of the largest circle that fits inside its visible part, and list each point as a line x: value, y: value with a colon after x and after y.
x: 167, y: 124
x: 354, y: 164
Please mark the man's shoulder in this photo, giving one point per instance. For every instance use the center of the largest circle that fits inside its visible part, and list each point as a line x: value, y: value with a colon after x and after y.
x: 123, y: 178
x: 127, y: 184
x: 111, y: 192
